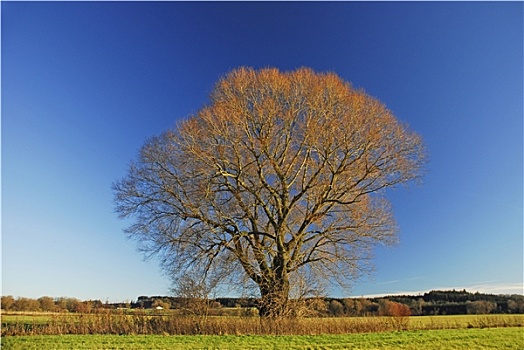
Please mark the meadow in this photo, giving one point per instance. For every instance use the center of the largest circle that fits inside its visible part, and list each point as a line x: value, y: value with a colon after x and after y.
x: 444, y: 339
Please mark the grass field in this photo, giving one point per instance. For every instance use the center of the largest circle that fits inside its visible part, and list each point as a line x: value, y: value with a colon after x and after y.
x: 511, y: 338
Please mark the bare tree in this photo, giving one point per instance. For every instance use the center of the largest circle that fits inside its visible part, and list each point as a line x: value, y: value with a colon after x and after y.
x: 195, y: 294
x: 282, y: 173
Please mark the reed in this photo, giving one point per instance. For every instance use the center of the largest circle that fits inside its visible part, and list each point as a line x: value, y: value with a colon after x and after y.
x: 142, y: 323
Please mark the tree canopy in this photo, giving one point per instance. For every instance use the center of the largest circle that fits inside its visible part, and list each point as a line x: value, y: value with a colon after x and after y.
x: 280, y: 179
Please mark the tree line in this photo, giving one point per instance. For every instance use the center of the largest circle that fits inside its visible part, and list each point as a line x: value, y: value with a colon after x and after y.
x: 49, y: 304
x: 431, y: 303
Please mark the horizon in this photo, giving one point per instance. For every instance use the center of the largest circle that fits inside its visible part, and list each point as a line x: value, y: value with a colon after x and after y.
x: 85, y: 84
x: 370, y: 296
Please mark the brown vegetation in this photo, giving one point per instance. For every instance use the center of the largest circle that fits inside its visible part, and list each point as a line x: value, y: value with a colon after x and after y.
x: 139, y: 322
x: 238, y: 316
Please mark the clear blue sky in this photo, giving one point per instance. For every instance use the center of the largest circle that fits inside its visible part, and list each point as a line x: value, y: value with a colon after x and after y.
x: 84, y: 84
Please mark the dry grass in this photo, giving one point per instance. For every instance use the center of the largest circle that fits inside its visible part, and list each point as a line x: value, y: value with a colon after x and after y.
x: 142, y: 323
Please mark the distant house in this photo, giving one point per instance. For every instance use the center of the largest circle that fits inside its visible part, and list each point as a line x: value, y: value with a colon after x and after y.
x: 159, y: 308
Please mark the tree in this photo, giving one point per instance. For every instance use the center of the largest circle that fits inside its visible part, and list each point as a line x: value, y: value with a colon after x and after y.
x: 283, y: 174
x: 336, y: 308
x: 7, y: 302
x: 480, y: 307
x: 161, y: 303
x: 47, y: 304
x: 68, y: 304
x: 515, y: 304
x: 392, y: 308
x: 26, y: 304
x: 194, y: 294
x: 83, y: 306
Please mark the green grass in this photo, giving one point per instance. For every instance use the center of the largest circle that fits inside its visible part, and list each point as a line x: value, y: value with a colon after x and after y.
x: 456, y: 339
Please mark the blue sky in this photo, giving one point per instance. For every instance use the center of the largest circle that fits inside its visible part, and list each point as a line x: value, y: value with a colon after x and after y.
x: 84, y: 84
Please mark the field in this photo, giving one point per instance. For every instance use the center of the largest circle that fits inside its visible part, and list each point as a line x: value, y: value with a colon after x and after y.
x: 457, y: 339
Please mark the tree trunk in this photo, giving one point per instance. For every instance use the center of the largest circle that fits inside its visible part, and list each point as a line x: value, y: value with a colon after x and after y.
x: 274, y: 298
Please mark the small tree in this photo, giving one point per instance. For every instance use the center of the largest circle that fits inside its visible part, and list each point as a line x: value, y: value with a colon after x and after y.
x: 480, y: 307
x: 353, y: 307
x: 336, y: 308
x: 7, y: 302
x: 47, y: 304
x: 26, y: 304
x: 194, y: 294
x: 159, y: 303
x: 516, y: 304
x: 282, y: 174
x: 83, y: 306
x: 392, y: 308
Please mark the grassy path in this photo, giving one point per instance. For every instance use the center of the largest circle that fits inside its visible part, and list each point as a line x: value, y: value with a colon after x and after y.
x: 456, y: 339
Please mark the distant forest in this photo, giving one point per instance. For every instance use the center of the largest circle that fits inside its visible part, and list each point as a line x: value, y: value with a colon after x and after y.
x: 432, y: 303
